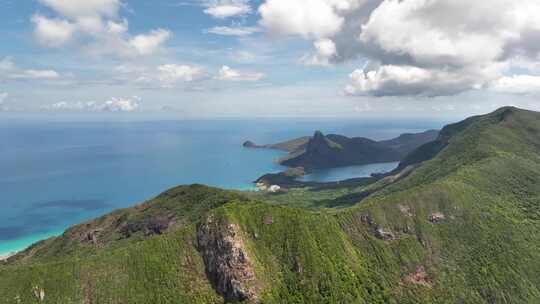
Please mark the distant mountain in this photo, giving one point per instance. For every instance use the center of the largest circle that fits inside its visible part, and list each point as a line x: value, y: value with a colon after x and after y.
x: 460, y: 223
x: 287, y: 146
x: 333, y: 150
x: 408, y: 142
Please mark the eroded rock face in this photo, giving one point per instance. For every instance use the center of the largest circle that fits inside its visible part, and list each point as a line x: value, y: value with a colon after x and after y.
x: 419, y: 277
x: 378, y: 231
x: 437, y: 217
x: 227, y: 262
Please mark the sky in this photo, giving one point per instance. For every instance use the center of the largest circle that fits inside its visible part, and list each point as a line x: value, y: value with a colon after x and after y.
x: 268, y: 58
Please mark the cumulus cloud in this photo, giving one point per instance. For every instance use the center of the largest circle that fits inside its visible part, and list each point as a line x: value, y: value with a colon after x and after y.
x: 120, y: 104
x: 10, y: 71
x: 114, y: 104
x: 393, y: 80
x: 146, y: 44
x: 163, y: 76
x: 306, y: 18
x: 325, y: 50
x: 426, y: 40
x: 170, y: 74
x: 222, y: 9
x: 233, y: 30
x: 52, y: 32
x: 518, y: 84
x: 228, y: 74
x: 96, y: 27
x: 75, y: 9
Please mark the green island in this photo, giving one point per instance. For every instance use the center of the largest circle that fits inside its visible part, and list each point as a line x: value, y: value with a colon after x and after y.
x: 457, y: 222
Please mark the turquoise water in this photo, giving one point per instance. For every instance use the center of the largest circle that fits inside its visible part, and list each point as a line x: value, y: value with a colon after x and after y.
x: 338, y: 174
x: 56, y: 174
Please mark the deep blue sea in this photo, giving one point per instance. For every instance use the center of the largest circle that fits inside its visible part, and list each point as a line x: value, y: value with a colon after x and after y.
x: 56, y: 174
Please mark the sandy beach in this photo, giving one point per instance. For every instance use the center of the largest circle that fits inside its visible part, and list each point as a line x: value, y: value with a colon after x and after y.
x: 6, y: 256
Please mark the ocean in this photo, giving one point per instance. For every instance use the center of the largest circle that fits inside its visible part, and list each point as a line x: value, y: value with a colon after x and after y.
x: 56, y: 174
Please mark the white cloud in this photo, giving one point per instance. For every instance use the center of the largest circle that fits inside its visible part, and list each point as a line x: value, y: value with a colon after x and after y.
x: 146, y: 44
x: 307, y: 18
x: 325, y: 50
x: 392, y: 80
x: 170, y: 74
x: 36, y: 75
x: 162, y: 76
x: 53, y: 32
x: 228, y: 74
x: 94, y: 26
x: 120, y: 104
x: 518, y: 84
x: 222, y: 9
x: 233, y: 30
x: 10, y: 71
x: 463, y: 39
x: 78, y: 8
x: 114, y: 104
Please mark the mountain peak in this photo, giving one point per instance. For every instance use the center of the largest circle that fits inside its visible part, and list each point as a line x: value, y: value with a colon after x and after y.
x: 318, y: 134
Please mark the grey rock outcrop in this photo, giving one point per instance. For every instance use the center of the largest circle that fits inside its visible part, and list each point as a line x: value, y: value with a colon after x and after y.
x: 227, y: 262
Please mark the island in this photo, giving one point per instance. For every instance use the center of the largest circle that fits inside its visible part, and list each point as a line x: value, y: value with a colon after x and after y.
x: 306, y: 154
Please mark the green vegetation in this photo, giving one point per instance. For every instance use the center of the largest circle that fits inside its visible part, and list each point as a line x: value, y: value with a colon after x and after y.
x: 462, y: 227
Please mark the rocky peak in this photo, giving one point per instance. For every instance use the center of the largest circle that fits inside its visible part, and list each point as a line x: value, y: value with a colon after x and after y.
x: 228, y: 264
x: 319, y: 144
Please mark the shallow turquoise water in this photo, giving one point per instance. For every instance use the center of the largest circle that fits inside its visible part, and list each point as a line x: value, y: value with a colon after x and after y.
x: 56, y: 174
x: 337, y: 174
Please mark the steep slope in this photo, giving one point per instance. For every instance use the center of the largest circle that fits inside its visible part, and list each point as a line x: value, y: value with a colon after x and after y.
x: 462, y: 227
x: 337, y: 151
x: 408, y: 142
x: 320, y: 151
x: 466, y: 224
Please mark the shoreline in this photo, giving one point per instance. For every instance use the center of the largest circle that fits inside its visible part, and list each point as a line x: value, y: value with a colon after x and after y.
x: 7, y: 256
x: 10, y: 248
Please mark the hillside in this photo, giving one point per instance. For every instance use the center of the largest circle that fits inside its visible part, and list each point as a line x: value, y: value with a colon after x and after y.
x: 461, y: 226
x: 331, y: 151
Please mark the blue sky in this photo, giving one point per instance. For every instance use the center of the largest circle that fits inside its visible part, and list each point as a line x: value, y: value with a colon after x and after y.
x: 267, y: 58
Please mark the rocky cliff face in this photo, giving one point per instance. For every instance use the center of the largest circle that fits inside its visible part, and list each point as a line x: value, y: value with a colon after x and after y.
x: 228, y: 265
x: 320, y: 145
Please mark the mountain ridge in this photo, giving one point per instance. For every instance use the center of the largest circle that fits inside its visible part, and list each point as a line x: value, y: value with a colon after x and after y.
x: 462, y: 226
x: 330, y: 151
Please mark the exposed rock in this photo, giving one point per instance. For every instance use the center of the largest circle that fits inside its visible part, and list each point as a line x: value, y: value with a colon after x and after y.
x: 250, y: 144
x: 379, y: 232
x: 419, y: 277
x: 274, y: 189
x: 227, y: 262
x: 159, y: 225
x: 406, y: 210
x: 87, y: 293
x: 436, y: 217
x: 268, y: 220
x: 400, y: 175
x: 153, y: 226
x: 39, y: 294
x: 366, y: 219
x: 384, y: 235
x: 91, y: 237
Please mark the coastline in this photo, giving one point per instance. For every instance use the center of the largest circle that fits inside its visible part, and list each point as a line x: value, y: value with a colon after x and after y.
x: 7, y: 256
x: 10, y: 248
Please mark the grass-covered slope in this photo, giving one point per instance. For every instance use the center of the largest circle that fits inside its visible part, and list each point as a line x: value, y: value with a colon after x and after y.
x: 463, y: 227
